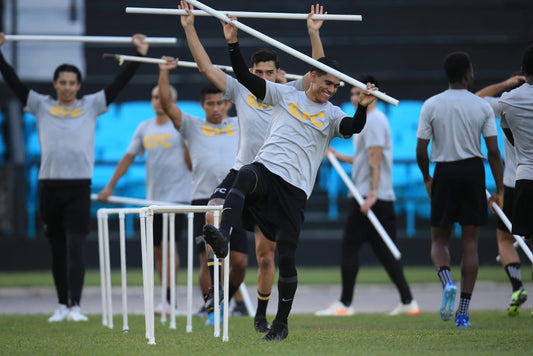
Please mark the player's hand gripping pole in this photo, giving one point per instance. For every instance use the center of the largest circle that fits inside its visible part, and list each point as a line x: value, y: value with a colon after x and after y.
x: 519, y: 239
x: 371, y: 216
x: 293, y: 52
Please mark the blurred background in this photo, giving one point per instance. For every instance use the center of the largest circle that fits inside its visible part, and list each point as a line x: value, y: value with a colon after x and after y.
x: 402, y: 43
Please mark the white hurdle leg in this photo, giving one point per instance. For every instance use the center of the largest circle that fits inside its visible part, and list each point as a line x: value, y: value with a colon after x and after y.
x: 216, y: 283
x: 107, y: 264
x: 102, y: 265
x: 150, y: 272
x: 172, y: 229
x: 190, y: 244
x: 164, y: 269
x: 225, y: 336
x: 122, y: 229
x: 247, y: 300
x: 142, y: 218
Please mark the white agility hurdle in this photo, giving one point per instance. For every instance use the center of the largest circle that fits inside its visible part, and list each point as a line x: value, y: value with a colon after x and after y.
x: 371, y: 216
x: 519, y: 239
x: 87, y: 39
x: 245, y: 14
x: 293, y: 52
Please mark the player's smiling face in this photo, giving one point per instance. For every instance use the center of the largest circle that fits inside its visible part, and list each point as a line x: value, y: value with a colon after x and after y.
x: 323, y: 87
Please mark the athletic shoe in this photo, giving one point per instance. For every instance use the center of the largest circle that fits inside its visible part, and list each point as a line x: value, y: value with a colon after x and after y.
x: 209, y: 299
x: 448, y: 301
x: 201, y: 313
x: 261, y: 324
x: 461, y: 321
x: 60, y: 314
x: 239, y: 309
x: 517, y: 299
x: 409, y: 309
x: 336, y: 309
x: 159, y: 309
x: 216, y: 240
x: 211, y: 316
x: 76, y: 315
x: 278, y: 331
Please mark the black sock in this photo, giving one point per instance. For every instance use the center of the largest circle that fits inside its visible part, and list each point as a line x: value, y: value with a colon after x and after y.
x: 445, y: 275
x: 232, y: 290
x: 211, y: 267
x: 168, y: 295
x: 464, y: 304
x: 287, y: 290
x: 262, y: 303
x: 513, y: 271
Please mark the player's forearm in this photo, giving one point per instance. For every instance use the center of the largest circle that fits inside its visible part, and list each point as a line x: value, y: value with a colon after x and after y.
x: 120, y: 170
x: 355, y: 124
x: 496, y: 166
x: 317, y: 50
x: 252, y: 82
x: 120, y: 81
x: 13, y: 81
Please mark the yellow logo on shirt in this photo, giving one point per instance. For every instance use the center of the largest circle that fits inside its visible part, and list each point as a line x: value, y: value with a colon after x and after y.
x: 152, y: 141
x: 252, y: 101
x: 299, y: 114
x: 60, y: 112
x: 215, y: 131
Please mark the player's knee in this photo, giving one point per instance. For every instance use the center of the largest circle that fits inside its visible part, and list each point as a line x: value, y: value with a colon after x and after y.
x: 245, y: 181
x: 239, y: 262
x: 265, y: 260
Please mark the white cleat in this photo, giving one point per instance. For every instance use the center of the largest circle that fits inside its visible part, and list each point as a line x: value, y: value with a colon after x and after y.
x: 76, y: 315
x: 336, y: 309
x: 60, y: 314
x: 408, y: 309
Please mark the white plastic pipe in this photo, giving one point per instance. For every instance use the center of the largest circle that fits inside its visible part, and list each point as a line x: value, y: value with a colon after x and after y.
x: 164, y: 269
x: 190, y: 245
x: 132, y: 201
x: 102, y: 265
x: 87, y: 39
x: 507, y: 222
x: 293, y: 52
x: 245, y: 14
x: 124, y: 283
x: 172, y: 266
x: 371, y: 216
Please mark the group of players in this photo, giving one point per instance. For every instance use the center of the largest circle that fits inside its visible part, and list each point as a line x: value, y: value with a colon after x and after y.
x: 262, y: 165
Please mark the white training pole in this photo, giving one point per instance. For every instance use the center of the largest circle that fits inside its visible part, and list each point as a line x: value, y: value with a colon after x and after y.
x: 142, y: 218
x: 509, y: 226
x: 172, y: 267
x: 371, y: 216
x: 294, y: 52
x: 246, y: 299
x: 122, y: 230
x: 190, y: 244
x: 102, y: 266
x: 87, y: 39
x: 216, y: 292
x: 132, y: 201
x: 245, y: 14
x: 164, y: 269
x: 107, y: 264
x: 150, y: 269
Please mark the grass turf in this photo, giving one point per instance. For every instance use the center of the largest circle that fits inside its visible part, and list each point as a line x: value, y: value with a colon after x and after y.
x: 492, y: 333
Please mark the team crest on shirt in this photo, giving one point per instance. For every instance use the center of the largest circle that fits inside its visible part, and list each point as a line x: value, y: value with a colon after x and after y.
x: 300, y: 114
x: 152, y: 141
x: 252, y: 101
x: 216, y: 131
x: 58, y: 111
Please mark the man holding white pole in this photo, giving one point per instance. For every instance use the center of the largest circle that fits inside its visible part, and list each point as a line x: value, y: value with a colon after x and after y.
x: 66, y: 128
x: 372, y: 176
x: 277, y: 184
x: 254, y: 117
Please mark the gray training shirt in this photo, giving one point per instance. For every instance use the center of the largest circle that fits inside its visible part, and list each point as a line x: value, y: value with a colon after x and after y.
x: 213, y: 148
x: 167, y: 176
x: 298, y: 134
x: 254, y: 117
x: 66, y: 134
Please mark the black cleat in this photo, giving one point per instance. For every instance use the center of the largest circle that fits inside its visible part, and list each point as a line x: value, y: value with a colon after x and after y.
x: 261, y: 324
x: 209, y: 299
x: 239, y: 309
x: 278, y: 331
x: 216, y: 240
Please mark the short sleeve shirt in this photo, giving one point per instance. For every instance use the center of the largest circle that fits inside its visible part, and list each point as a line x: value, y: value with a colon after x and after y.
x: 66, y: 134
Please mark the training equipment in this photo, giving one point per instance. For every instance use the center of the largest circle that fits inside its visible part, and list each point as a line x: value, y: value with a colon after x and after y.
x: 87, y: 39
x: 448, y: 301
x: 293, y: 52
x: 60, y: 314
x: 245, y: 14
x: 461, y: 321
x: 517, y: 299
x: 408, y: 309
x: 336, y: 309
x: 357, y: 196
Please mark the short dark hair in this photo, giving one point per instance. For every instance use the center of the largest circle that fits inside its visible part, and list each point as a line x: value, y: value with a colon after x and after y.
x: 209, y: 89
x: 527, y: 61
x: 67, y: 68
x: 265, y: 55
x: 329, y: 61
x: 456, y: 65
x: 367, y: 78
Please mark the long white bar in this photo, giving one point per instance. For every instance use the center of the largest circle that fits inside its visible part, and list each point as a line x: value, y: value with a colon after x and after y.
x: 88, y: 39
x: 132, y: 201
x: 371, y: 216
x: 294, y: 52
x: 245, y: 14
x: 509, y: 226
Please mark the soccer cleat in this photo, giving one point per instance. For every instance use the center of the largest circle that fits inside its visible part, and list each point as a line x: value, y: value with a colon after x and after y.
x: 60, y: 314
x: 448, y: 301
x: 216, y: 240
x: 239, y: 309
x: 517, y: 299
x: 211, y: 316
x: 76, y: 315
x: 261, y: 324
x: 209, y: 299
x: 336, y: 309
x: 278, y: 331
x: 461, y: 321
x: 409, y: 309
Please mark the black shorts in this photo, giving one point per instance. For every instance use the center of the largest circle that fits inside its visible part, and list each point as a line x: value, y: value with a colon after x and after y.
x: 508, y: 201
x: 522, y: 207
x: 65, y: 206
x: 158, y: 228
x: 199, y: 222
x: 359, y: 227
x: 458, y: 193
x: 276, y: 206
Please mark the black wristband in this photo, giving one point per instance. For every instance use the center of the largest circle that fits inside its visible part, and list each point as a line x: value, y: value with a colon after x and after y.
x: 232, y: 47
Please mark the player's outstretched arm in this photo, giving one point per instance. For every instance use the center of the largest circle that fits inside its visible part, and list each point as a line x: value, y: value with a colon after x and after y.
x: 11, y: 78
x: 173, y: 111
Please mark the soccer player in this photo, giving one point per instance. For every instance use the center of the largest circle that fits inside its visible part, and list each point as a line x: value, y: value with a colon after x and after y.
x: 254, y: 117
x: 168, y: 176
x: 66, y: 128
x: 454, y: 121
x: 372, y: 176
x: 277, y: 184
